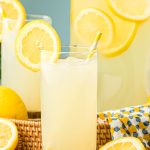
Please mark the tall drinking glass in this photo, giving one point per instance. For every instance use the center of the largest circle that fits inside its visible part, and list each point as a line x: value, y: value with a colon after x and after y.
x: 15, y: 75
x: 69, y: 100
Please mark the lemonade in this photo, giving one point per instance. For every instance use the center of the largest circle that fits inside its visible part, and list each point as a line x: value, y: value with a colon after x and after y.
x: 124, y: 48
x: 25, y: 81
x: 69, y: 102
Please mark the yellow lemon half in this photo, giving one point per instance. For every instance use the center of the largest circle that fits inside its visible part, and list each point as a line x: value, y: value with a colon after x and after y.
x: 136, y: 10
x: 91, y: 21
x: 11, y: 105
x: 8, y: 135
x: 12, y: 9
x: 35, y: 36
x: 125, y: 143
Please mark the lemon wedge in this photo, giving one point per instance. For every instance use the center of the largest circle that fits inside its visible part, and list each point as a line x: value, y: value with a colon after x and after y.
x: 35, y: 36
x: 136, y: 10
x: 126, y: 143
x: 12, y: 9
x: 8, y: 135
x: 11, y: 105
x: 91, y: 21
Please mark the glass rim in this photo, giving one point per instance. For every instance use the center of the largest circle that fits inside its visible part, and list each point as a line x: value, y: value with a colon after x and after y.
x: 33, y: 17
x: 87, y: 48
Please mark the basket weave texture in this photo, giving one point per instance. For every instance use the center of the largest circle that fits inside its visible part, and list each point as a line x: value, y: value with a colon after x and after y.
x: 30, y: 134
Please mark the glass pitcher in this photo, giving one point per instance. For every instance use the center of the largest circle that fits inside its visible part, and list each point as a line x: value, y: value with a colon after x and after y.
x: 124, y: 49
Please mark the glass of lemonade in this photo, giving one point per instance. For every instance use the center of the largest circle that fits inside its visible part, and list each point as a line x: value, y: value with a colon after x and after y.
x: 124, y: 47
x: 69, y: 100
x: 25, y: 81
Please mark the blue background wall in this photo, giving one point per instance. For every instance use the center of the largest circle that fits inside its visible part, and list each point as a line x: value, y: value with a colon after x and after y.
x: 58, y: 10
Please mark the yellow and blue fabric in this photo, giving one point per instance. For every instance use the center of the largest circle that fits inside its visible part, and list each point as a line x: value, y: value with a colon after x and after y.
x: 132, y: 121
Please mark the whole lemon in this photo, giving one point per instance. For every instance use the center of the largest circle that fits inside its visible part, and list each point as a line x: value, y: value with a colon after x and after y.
x: 11, y: 105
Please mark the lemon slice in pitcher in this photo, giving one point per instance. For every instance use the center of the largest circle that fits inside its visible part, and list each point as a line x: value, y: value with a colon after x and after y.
x: 35, y: 36
x: 122, y: 39
x: 91, y: 21
x: 136, y: 10
x: 125, y: 32
x: 12, y: 9
x: 8, y: 135
x: 117, y: 33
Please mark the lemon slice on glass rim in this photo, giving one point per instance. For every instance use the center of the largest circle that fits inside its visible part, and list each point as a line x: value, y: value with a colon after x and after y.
x: 35, y: 36
x: 134, y: 10
x: 12, y: 9
x: 91, y: 21
x: 8, y: 135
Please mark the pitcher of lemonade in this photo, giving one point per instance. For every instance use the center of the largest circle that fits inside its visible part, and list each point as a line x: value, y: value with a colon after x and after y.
x: 124, y: 49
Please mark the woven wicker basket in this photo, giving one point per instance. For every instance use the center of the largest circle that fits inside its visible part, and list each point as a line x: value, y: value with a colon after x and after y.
x: 30, y: 134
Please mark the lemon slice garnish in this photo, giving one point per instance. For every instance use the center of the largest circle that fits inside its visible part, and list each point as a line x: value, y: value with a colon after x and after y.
x: 35, y: 36
x: 91, y: 21
x: 125, y: 143
x: 136, y: 10
x: 8, y: 135
x: 12, y: 9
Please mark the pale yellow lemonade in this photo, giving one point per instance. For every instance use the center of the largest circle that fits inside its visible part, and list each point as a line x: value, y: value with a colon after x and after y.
x: 18, y: 77
x: 22, y: 79
x: 124, y: 59
x: 69, y: 103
